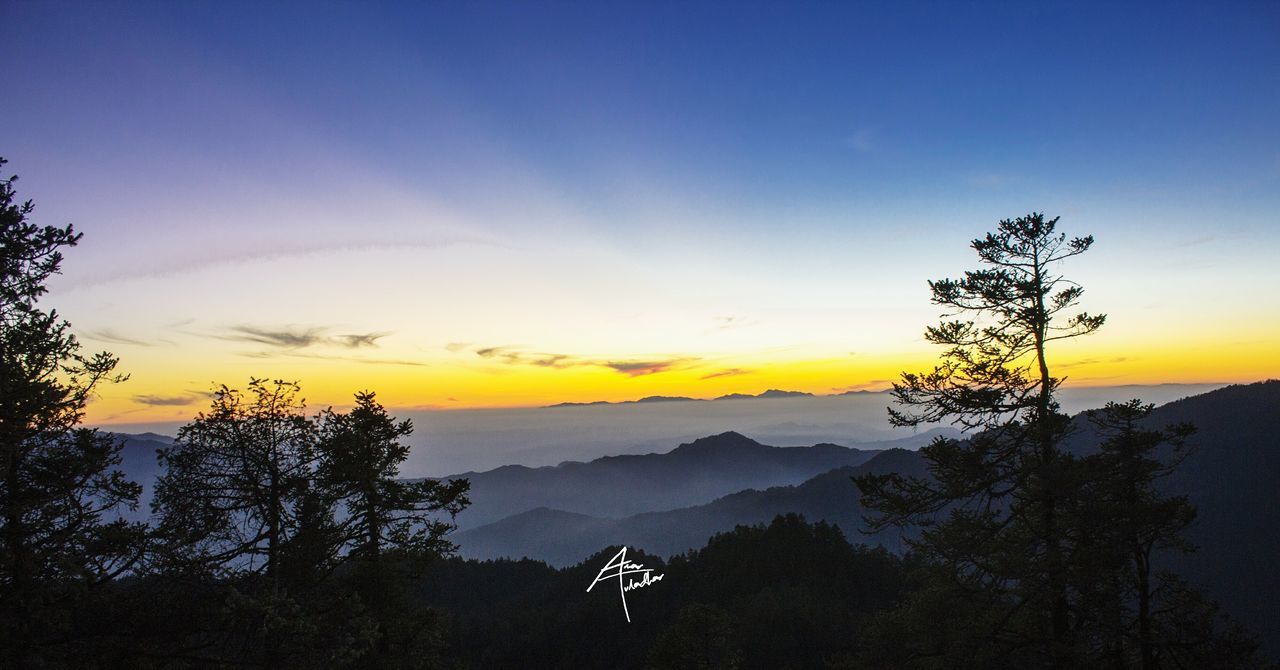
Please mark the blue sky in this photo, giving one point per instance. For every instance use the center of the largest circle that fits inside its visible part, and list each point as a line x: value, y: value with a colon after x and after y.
x: 801, y: 167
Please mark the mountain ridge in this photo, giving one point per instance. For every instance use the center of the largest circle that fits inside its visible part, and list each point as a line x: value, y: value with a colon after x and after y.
x: 692, y: 473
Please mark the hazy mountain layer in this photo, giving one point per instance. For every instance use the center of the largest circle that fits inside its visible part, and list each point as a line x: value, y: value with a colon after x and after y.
x: 691, y: 474
x: 563, y: 538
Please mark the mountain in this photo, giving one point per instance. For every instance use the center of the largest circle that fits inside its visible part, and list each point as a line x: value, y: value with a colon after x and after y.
x: 562, y: 538
x: 1230, y: 476
x: 771, y: 393
x: 691, y: 474
x: 651, y: 398
x: 138, y: 462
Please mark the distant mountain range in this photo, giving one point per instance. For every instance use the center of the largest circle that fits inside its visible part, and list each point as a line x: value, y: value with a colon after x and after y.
x: 563, y: 538
x: 138, y: 461
x: 1230, y: 477
x: 771, y: 393
x: 690, y: 474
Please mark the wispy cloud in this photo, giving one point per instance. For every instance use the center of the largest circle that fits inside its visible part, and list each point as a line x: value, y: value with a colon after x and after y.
x: 356, y: 341
x: 553, y: 360
x: 641, y: 368
x: 728, y: 372
x: 299, y: 338
x: 167, y: 400
x: 386, y: 361
x: 212, y: 260
x: 511, y: 355
x: 1094, y: 361
x: 112, y: 337
x: 514, y: 356
x: 287, y: 338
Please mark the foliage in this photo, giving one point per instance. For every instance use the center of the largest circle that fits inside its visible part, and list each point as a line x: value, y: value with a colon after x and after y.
x: 61, y: 539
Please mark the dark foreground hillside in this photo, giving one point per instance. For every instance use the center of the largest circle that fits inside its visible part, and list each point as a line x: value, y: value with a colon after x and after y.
x: 786, y: 595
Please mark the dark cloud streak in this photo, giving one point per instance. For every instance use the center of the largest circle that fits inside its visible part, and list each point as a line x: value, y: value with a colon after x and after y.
x: 356, y: 341
x: 632, y: 368
x: 166, y: 401
x: 729, y: 372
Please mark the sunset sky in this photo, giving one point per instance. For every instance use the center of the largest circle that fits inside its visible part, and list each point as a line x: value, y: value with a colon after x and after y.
x: 480, y: 205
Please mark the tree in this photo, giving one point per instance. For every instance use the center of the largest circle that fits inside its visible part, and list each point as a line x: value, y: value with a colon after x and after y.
x: 993, y: 510
x: 232, y: 501
x: 390, y: 523
x: 1144, y: 616
x: 360, y: 457
x: 60, y: 537
x: 1129, y: 519
x: 230, y: 496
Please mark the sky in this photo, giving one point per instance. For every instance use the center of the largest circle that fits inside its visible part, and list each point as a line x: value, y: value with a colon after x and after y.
x: 477, y: 205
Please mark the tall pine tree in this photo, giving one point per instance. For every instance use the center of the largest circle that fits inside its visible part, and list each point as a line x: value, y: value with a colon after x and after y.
x: 60, y: 537
x: 994, y: 512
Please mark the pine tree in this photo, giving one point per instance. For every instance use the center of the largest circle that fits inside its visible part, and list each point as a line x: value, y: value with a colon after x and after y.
x: 391, y: 526
x: 994, y: 510
x: 61, y: 539
x: 1129, y: 520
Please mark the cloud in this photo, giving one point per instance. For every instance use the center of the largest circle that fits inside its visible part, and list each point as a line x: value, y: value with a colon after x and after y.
x: 112, y: 337
x: 355, y: 341
x: 378, y: 361
x: 300, y: 338
x: 214, y: 260
x: 1094, y: 361
x: 510, y: 355
x: 513, y: 356
x: 728, y: 372
x: 553, y: 360
x: 284, y: 338
x: 455, y: 347
x: 166, y: 400
x: 641, y: 368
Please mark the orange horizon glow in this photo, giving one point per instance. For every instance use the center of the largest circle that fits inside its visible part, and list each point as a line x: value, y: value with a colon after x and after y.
x: 498, y: 386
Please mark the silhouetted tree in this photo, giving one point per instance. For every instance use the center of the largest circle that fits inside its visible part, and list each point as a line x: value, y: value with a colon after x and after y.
x: 1146, y: 617
x: 1127, y: 519
x: 60, y: 537
x: 360, y: 456
x: 234, y: 498
x: 392, y: 526
x: 1002, y: 494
